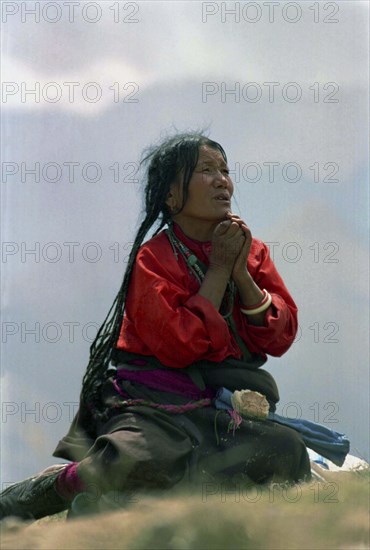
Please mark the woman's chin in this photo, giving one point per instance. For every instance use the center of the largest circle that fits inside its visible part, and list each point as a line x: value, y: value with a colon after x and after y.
x: 224, y: 209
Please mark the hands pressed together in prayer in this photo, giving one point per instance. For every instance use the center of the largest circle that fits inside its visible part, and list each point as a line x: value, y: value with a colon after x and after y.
x: 231, y: 243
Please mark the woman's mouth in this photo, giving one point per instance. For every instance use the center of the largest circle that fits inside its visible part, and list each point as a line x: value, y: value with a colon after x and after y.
x: 223, y: 197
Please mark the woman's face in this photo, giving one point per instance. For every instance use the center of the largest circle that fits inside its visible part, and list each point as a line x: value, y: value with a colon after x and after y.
x: 209, y: 195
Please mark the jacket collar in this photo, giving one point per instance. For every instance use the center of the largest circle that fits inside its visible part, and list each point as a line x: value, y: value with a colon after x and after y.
x: 201, y: 249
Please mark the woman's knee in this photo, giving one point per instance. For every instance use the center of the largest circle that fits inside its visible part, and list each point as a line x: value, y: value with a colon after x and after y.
x: 127, y: 459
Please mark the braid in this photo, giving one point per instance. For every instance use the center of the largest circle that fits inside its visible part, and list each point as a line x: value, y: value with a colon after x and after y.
x: 107, y: 336
x: 166, y: 161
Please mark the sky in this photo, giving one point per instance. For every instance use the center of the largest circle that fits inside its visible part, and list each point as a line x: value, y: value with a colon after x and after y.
x: 87, y: 86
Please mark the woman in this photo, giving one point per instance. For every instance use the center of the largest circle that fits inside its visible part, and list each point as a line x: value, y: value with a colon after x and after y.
x: 200, y: 307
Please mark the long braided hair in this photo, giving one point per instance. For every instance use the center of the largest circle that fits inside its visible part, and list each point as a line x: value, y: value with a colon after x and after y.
x: 175, y: 157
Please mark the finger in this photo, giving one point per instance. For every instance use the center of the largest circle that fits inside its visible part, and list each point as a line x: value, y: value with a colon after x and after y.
x: 239, y: 221
x: 222, y: 228
x: 246, y: 248
x: 246, y: 230
x: 235, y: 218
x: 233, y: 230
x: 232, y: 215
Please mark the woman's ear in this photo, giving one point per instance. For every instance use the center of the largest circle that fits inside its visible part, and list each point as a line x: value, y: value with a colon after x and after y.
x: 174, y: 196
x: 171, y: 201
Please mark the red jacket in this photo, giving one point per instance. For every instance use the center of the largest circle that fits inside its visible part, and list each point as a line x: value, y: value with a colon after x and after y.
x: 165, y: 317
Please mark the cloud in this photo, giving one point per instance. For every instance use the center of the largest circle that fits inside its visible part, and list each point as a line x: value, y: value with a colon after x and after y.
x: 176, y: 41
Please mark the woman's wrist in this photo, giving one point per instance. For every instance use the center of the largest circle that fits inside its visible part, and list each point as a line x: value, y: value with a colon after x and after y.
x: 243, y: 280
x: 214, y: 285
x: 221, y: 271
x: 250, y: 295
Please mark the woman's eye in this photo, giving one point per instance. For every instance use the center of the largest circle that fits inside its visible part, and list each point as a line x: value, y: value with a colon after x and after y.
x: 210, y: 169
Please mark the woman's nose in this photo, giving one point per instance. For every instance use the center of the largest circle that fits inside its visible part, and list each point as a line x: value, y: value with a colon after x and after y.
x: 220, y: 178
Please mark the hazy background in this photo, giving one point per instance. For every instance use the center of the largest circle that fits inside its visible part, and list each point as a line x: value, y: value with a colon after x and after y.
x: 313, y: 209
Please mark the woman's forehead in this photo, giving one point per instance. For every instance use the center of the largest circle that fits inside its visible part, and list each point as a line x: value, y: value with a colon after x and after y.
x: 207, y: 153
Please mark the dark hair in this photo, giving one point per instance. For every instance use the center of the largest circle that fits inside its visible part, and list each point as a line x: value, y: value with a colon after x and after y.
x: 175, y: 156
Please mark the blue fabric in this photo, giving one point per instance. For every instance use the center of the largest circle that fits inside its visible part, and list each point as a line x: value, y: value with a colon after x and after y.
x: 223, y: 399
x: 324, y: 441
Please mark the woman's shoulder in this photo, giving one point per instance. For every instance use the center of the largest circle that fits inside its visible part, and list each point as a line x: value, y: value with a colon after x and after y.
x: 157, y: 257
x: 156, y: 249
x: 157, y: 243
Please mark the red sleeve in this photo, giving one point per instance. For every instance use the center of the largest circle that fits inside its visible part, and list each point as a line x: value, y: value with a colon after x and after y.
x: 279, y: 331
x: 175, y: 324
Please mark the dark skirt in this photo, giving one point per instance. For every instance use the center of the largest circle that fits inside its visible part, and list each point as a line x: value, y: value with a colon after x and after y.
x: 141, y: 448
